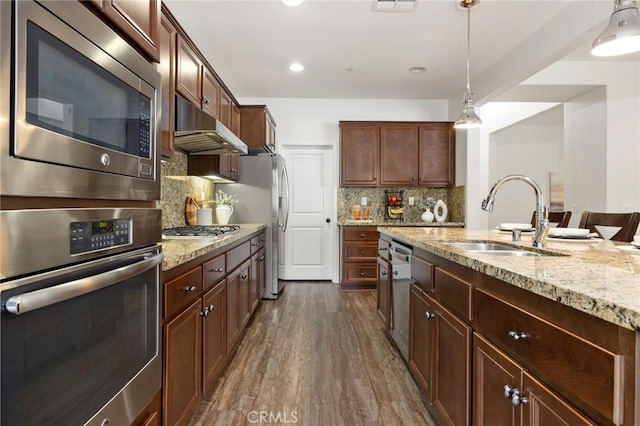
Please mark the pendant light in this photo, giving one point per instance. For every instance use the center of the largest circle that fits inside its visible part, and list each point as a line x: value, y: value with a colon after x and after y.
x: 469, y: 118
x: 622, y: 35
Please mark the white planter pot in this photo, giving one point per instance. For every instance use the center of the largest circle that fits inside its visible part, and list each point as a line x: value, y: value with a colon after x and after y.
x: 427, y: 216
x: 223, y: 213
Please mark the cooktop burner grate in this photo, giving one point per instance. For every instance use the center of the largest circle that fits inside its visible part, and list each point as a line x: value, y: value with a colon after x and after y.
x: 199, y: 231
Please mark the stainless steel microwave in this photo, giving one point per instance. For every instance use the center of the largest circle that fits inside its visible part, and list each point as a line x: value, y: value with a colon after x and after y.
x: 81, y: 116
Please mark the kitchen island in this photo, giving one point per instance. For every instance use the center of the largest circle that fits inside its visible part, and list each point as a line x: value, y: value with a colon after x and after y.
x: 502, y: 339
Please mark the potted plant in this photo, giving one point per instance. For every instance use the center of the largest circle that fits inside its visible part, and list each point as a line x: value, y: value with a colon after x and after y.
x: 428, y: 215
x: 224, y: 206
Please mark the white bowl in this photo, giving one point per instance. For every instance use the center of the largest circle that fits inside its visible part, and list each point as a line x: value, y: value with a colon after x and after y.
x: 512, y: 226
x: 569, y: 232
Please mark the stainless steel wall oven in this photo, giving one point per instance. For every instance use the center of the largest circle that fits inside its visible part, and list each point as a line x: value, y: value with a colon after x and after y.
x: 80, y: 327
x: 81, y: 116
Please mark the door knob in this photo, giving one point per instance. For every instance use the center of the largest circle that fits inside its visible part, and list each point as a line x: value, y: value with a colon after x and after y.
x: 328, y: 220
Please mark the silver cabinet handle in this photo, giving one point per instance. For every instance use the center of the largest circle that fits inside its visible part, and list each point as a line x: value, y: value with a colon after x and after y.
x: 255, y: 244
x: 383, y: 273
x: 517, y: 399
x: 244, y: 276
x: 211, y: 308
x: 205, y: 100
x: 395, y: 273
x: 518, y: 335
x: 205, y: 313
x: 383, y: 248
x: 261, y: 258
x: 216, y: 270
x: 34, y: 300
x: 189, y: 288
x: 507, y: 391
x: 429, y: 315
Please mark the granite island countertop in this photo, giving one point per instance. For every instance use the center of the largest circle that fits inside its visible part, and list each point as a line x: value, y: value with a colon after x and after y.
x: 402, y: 223
x: 181, y: 250
x: 599, y: 277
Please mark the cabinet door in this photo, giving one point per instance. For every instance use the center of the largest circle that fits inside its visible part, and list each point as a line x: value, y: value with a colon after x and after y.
x: 214, y: 342
x: 225, y: 108
x: 254, y: 282
x: 270, y: 132
x: 421, y: 334
x: 235, y: 119
x: 492, y: 371
x: 166, y: 67
x: 263, y: 272
x: 451, y: 363
x: 139, y: 20
x: 183, y: 364
x: 225, y: 165
x: 384, y: 292
x: 246, y: 302
x: 210, y: 93
x: 234, y: 167
x: 437, y: 155
x: 545, y: 408
x: 359, y: 154
x: 398, y: 154
x: 233, y: 309
x: 188, y: 73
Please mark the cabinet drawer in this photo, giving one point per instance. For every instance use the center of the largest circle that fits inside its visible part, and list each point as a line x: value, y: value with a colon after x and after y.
x: 361, y: 273
x: 355, y: 251
x: 589, y: 376
x: 256, y: 245
x: 214, y: 270
x: 453, y: 292
x: 360, y: 233
x: 182, y: 291
x: 422, y: 273
x: 238, y: 255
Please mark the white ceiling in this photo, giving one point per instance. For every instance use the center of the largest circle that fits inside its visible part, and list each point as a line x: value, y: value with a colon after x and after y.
x: 349, y: 51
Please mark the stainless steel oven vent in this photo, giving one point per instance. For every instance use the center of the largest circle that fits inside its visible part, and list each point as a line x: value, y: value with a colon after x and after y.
x: 394, y: 5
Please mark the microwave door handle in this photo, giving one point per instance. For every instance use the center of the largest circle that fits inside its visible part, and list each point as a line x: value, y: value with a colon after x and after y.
x: 34, y: 300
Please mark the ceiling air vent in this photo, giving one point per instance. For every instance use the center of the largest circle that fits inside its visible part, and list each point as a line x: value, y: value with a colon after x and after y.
x: 394, y: 5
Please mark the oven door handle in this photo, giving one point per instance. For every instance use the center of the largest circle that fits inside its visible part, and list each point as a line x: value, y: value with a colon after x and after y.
x: 31, y: 301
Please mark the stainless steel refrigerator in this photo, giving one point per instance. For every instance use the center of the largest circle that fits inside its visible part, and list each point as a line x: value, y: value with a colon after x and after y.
x: 263, y: 194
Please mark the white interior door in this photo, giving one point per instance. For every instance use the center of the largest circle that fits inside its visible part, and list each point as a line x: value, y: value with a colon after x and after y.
x: 308, y: 248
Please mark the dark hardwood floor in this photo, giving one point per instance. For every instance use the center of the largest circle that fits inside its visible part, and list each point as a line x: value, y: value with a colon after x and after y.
x: 315, y: 356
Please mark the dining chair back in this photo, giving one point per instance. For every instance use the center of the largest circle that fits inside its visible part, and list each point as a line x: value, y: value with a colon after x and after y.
x: 561, y: 218
x: 627, y: 222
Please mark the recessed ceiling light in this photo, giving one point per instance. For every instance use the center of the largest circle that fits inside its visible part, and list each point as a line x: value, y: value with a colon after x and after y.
x: 292, y: 3
x: 296, y: 67
x: 417, y: 70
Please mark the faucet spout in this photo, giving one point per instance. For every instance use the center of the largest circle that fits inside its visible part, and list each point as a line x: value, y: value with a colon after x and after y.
x: 542, y: 212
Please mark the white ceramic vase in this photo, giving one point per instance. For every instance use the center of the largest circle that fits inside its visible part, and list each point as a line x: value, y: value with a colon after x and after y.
x: 205, y: 217
x: 427, y: 216
x: 223, y: 213
x: 440, y: 210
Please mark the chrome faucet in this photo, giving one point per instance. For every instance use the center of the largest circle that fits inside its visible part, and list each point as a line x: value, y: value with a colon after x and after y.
x: 542, y: 211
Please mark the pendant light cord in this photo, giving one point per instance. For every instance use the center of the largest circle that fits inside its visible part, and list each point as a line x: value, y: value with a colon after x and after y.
x: 468, y: 47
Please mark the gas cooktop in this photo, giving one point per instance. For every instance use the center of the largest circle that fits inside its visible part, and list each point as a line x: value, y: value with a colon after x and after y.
x: 193, y: 231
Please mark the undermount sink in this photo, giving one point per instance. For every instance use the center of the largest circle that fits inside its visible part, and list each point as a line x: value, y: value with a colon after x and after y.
x: 494, y: 248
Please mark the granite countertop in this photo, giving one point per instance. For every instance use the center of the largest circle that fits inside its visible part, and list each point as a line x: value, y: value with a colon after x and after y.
x: 181, y: 250
x: 599, y: 277
x: 403, y: 223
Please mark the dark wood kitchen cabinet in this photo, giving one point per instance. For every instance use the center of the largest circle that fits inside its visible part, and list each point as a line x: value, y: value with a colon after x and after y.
x: 258, y: 128
x: 397, y: 154
x: 359, y: 154
x: 138, y: 21
x: 166, y: 68
x: 238, y: 311
x: 152, y: 414
x: 359, y: 253
x: 384, y: 292
x: 214, y: 339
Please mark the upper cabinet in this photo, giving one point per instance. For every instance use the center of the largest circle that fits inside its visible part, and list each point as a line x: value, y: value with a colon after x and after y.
x: 189, y: 72
x: 257, y: 127
x: 138, y: 21
x: 397, y: 154
x: 166, y: 67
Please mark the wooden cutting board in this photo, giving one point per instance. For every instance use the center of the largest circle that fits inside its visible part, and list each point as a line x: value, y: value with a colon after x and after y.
x: 191, y: 211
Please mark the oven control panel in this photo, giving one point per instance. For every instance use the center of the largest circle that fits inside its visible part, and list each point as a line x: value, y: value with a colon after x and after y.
x: 97, y: 235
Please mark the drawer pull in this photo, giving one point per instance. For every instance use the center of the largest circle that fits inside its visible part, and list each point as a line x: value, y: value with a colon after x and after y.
x: 362, y: 274
x: 205, y: 313
x: 395, y: 273
x: 518, y: 335
x: 261, y: 258
x: 216, y: 270
x: 362, y: 252
x: 211, y: 308
x: 189, y: 288
x: 361, y: 235
x: 517, y: 400
x: 429, y: 315
x: 383, y: 248
x: 244, y: 276
x: 255, y: 244
x: 383, y: 273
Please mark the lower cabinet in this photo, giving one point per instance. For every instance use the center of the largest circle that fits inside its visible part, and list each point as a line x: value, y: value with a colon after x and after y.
x: 508, y: 395
x: 384, y: 292
x: 214, y: 333
x: 440, y: 355
x: 238, y: 310
x: 359, y: 253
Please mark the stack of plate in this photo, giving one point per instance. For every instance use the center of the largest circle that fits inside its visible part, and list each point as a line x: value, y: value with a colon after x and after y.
x: 524, y: 227
x: 571, y: 233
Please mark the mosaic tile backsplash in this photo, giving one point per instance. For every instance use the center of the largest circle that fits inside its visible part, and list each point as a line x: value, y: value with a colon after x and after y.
x: 176, y: 186
x: 352, y: 196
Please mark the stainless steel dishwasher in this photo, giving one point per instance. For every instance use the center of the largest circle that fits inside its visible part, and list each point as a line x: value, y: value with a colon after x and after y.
x: 400, y: 288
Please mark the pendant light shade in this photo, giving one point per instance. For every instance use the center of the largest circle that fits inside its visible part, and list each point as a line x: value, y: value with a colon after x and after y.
x: 469, y: 119
x: 622, y: 35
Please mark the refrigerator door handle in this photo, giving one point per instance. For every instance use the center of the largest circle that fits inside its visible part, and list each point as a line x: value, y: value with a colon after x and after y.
x: 286, y: 197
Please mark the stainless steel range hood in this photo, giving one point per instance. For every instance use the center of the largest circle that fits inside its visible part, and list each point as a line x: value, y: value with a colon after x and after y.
x: 198, y: 133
